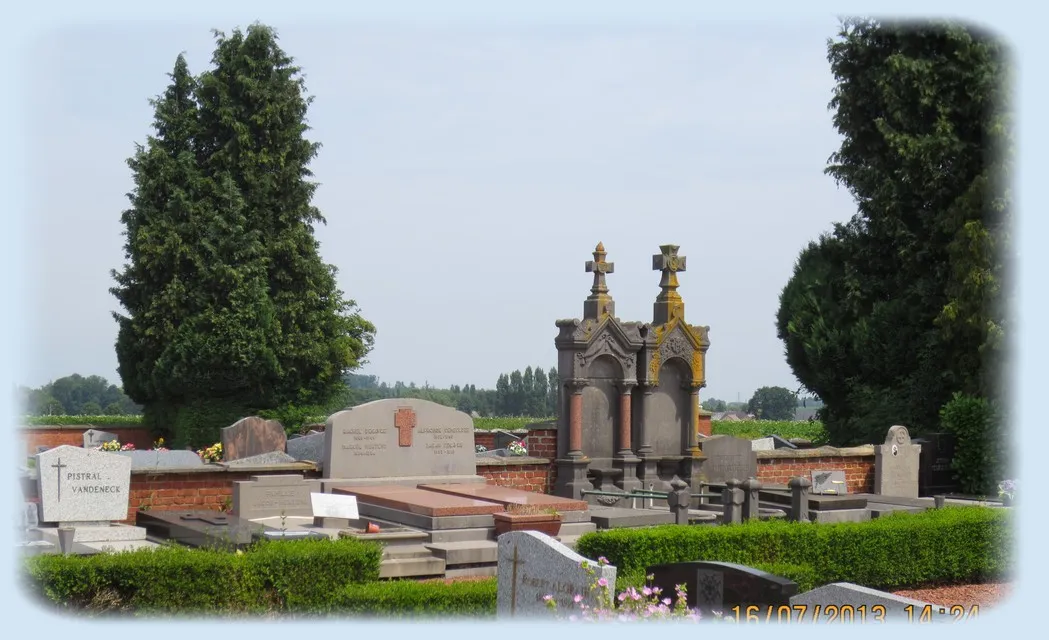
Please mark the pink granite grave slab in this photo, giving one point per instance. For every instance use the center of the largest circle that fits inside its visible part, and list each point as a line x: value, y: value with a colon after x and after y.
x: 507, y: 495
x: 413, y: 500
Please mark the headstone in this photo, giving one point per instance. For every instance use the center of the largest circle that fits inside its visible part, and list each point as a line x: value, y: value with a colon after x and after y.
x: 763, y: 444
x: 40, y: 448
x: 935, y: 475
x: 783, y: 444
x: 849, y: 602
x: 155, y: 459
x: 896, y: 465
x: 533, y: 565
x: 829, y: 482
x: 727, y: 458
x: 399, y: 437
x: 82, y: 485
x: 267, y: 496
x: 333, y: 505
x: 261, y: 460
x: 94, y: 437
x: 308, y: 447
x: 252, y: 436
x: 719, y: 586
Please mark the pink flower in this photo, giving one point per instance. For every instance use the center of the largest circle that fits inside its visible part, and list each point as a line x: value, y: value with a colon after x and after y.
x: 622, y: 596
x: 602, y: 560
x: 647, y: 591
x: 577, y: 598
x: 548, y: 597
x: 666, y: 601
x: 602, y: 582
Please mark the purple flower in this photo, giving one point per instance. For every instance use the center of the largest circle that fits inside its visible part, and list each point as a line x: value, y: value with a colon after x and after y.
x: 577, y: 598
x: 602, y: 582
x: 666, y: 601
x: 602, y: 560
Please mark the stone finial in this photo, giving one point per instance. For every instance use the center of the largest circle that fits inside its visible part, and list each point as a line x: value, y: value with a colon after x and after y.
x: 599, y: 305
x: 668, y: 304
x: 898, y: 435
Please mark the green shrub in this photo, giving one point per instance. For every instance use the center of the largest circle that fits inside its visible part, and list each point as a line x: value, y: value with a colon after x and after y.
x: 97, y: 421
x: 307, y: 575
x: 753, y: 429
x: 954, y: 544
x: 982, y: 446
x: 410, y: 599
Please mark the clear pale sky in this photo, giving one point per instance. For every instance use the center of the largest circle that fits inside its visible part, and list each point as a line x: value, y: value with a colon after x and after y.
x: 466, y: 175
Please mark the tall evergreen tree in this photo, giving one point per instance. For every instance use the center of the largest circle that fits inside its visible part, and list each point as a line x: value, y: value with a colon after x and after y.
x: 230, y: 309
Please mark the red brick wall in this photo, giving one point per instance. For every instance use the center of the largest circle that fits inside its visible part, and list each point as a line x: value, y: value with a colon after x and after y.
x: 484, y: 438
x: 74, y: 435
x: 859, y: 470
x: 705, y: 425
x: 527, y: 477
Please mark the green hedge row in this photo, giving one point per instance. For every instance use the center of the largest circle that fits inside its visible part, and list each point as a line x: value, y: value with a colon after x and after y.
x: 410, y: 599
x: 949, y: 545
x: 753, y: 429
x: 302, y: 576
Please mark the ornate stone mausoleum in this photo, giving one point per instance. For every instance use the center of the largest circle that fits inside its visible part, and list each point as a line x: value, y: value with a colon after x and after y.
x: 629, y: 401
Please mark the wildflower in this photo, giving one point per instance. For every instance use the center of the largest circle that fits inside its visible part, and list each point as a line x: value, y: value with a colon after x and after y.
x: 602, y: 560
x: 577, y: 598
x: 602, y: 582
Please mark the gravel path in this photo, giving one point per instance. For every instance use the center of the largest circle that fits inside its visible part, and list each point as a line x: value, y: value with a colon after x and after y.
x: 985, y: 595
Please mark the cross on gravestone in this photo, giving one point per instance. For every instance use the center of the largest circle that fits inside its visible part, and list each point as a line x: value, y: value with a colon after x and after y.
x: 668, y: 303
x: 513, y: 587
x: 59, y: 466
x: 599, y: 268
x: 404, y: 421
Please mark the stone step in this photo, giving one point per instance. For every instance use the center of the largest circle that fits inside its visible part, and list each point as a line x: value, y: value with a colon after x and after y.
x: 405, y: 551
x: 470, y: 572
x: 462, y: 535
x: 411, y: 567
x: 98, y: 533
x: 576, y: 528
x: 466, y: 552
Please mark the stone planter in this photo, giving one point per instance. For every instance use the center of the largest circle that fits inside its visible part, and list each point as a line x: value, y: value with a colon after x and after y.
x: 548, y: 523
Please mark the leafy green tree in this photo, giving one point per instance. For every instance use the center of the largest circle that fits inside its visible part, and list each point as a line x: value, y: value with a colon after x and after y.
x: 772, y: 403
x: 892, y: 312
x: 714, y: 405
x: 230, y: 310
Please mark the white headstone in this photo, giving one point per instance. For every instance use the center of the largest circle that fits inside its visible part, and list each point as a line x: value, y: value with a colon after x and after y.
x: 896, y: 465
x: 94, y: 437
x: 330, y: 505
x: 82, y: 485
x: 533, y: 565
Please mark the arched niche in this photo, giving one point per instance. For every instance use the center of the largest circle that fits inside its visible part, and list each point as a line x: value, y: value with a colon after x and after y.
x: 600, y: 407
x: 668, y: 413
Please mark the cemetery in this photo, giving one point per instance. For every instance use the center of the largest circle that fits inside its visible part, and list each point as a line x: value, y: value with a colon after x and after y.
x: 391, y: 509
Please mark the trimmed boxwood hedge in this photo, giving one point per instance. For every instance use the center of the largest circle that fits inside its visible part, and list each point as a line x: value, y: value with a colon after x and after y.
x: 410, y: 599
x: 949, y: 545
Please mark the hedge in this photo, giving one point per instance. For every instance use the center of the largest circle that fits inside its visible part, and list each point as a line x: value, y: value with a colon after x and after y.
x: 410, y: 599
x: 288, y: 576
x: 949, y: 545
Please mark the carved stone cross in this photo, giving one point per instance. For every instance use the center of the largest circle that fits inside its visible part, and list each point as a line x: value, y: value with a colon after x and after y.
x: 513, y: 582
x: 599, y: 304
x: 668, y: 303
x: 404, y: 421
x: 60, y: 466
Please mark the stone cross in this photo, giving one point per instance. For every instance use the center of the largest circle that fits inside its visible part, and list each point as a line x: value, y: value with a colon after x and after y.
x: 59, y: 466
x: 668, y: 304
x: 599, y: 304
x: 404, y: 421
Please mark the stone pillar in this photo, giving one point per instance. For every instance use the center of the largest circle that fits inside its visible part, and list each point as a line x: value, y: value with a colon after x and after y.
x: 679, y: 499
x: 751, y: 487
x: 732, y: 502
x: 575, y: 417
x: 799, y: 498
x: 625, y: 458
x: 693, y: 428
x: 647, y: 470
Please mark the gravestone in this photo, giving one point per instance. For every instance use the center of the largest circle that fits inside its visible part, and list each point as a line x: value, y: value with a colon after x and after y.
x: 308, y: 447
x: 262, y: 460
x: 82, y: 485
x: 829, y: 481
x: 847, y: 602
x: 252, y: 436
x: 728, y: 458
x: 896, y: 465
x: 935, y: 475
x: 783, y: 444
x: 719, y: 586
x: 533, y: 565
x: 763, y: 444
x: 94, y: 437
x: 399, y: 437
x: 267, y: 496
x: 155, y: 459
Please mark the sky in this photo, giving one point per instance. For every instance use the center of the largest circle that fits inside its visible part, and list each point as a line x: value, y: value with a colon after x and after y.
x: 466, y: 174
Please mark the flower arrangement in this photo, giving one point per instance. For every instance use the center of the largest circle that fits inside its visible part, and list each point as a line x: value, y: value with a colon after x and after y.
x: 212, y: 453
x: 481, y: 448
x: 159, y: 445
x: 630, y: 605
x: 518, y: 448
x: 1007, y: 489
x: 114, y: 445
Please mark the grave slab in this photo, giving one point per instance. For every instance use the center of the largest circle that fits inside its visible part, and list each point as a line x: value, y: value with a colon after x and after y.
x: 763, y: 444
x: 201, y: 528
x: 616, y: 517
x: 263, y: 496
x: 154, y: 459
x: 719, y: 586
x: 845, y: 597
x: 507, y: 496
x: 419, y: 501
x: 309, y: 447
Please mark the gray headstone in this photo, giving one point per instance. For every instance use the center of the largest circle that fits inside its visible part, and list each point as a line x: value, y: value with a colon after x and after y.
x: 728, y: 458
x: 851, y: 598
x: 153, y: 459
x: 268, y: 496
x: 252, y: 436
x: 273, y: 457
x: 783, y: 444
x: 829, y: 481
x: 533, y: 565
x: 94, y: 437
x: 399, y: 437
x: 82, y: 485
x: 309, y: 447
x: 896, y: 465
x: 763, y: 444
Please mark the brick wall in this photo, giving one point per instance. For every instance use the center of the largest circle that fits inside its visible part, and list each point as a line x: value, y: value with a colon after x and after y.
x: 528, y: 476
x: 73, y: 435
x: 779, y: 466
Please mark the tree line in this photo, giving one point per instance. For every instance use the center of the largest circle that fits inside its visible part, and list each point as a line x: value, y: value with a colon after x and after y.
x: 76, y: 395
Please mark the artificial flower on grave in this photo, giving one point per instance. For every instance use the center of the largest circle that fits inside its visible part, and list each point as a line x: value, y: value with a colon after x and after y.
x: 109, y: 445
x: 518, y: 448
x: 127, y: 446
x: 481, y: 448
x: 1007, y: 489
x: 212, y: 453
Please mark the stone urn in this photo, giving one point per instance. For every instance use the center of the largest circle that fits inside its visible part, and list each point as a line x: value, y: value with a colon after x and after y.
x: 521, y: 519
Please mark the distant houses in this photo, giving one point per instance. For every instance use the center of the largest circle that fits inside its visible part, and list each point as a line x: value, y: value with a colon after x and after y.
x: 732, y: 416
